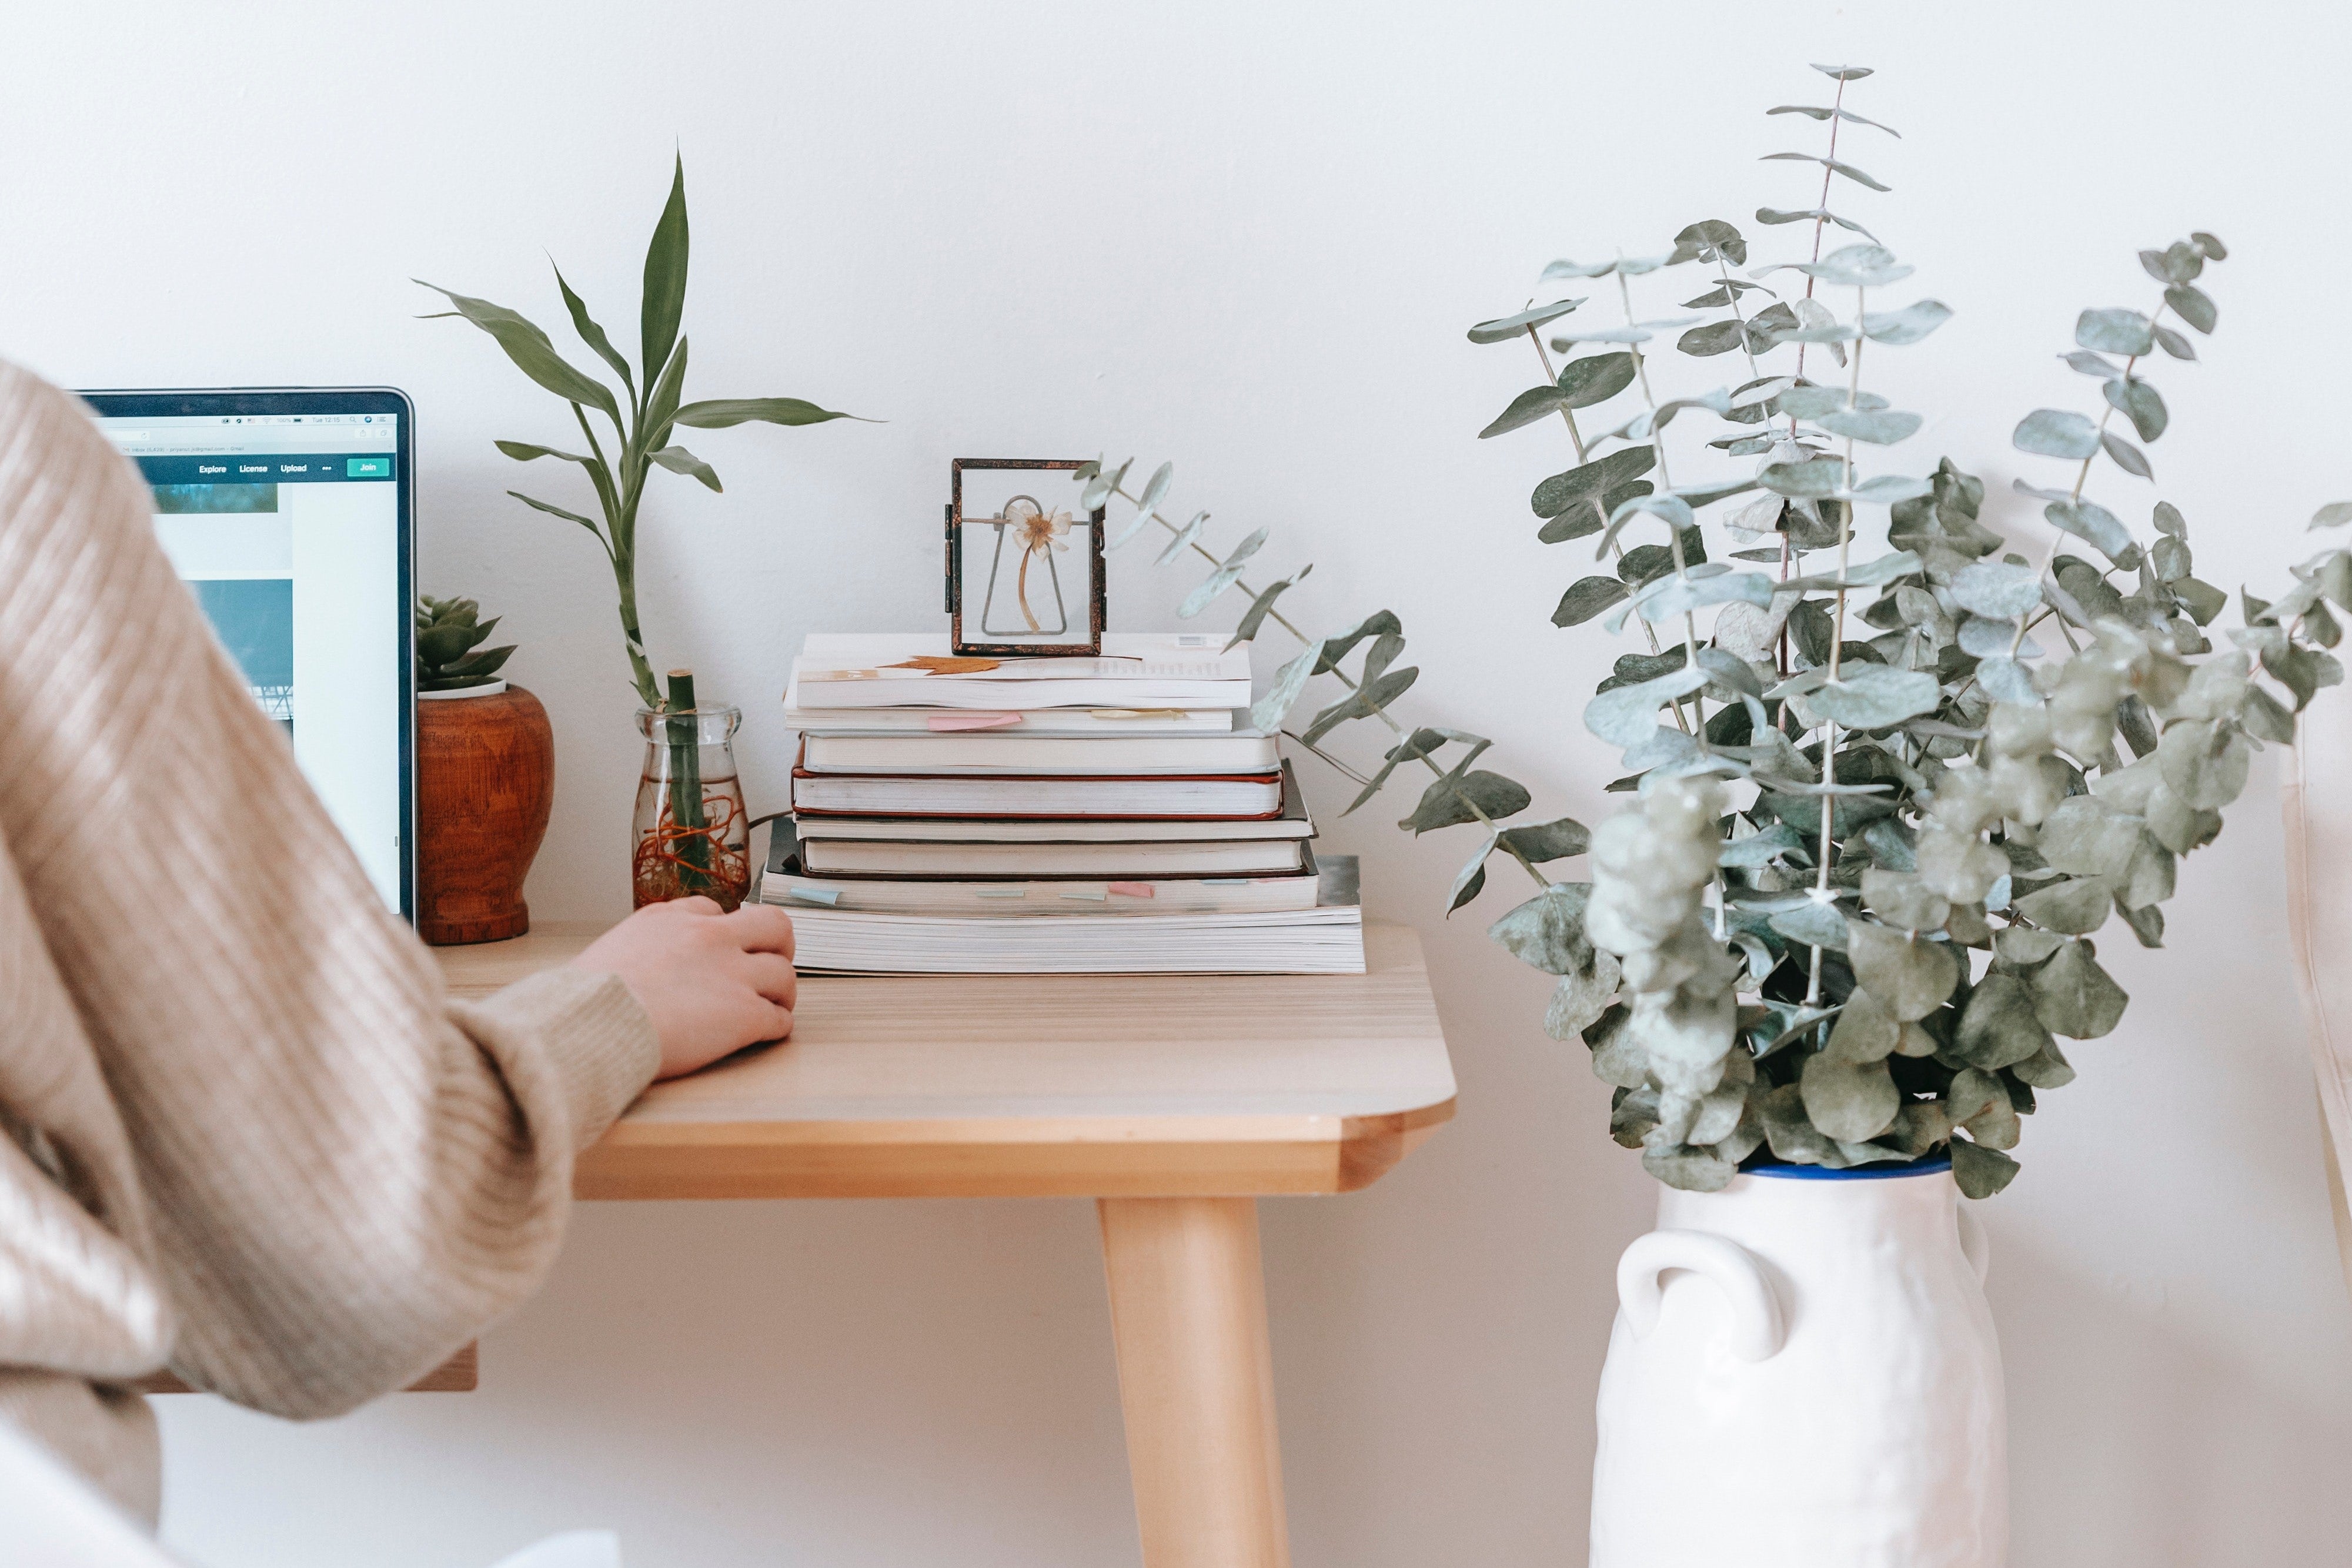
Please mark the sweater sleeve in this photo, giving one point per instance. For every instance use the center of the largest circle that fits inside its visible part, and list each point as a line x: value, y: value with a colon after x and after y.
x: 347, y: 1175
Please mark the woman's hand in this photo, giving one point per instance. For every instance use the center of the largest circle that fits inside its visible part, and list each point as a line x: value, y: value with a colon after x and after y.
x: 711, y: 983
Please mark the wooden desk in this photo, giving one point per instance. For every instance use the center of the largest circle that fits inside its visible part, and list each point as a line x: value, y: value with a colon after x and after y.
x: 1174, y: 1102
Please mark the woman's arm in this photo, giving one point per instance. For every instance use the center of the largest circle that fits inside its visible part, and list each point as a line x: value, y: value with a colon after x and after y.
x: 345, y: 1174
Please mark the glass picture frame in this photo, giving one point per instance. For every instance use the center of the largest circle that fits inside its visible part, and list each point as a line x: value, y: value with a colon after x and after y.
x: 1025, y: 565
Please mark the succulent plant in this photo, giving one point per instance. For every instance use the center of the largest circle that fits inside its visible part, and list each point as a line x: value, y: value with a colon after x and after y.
x: 449, y: 652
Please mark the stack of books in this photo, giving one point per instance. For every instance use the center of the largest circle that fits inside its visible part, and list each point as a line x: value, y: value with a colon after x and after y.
x: 1111, y: 815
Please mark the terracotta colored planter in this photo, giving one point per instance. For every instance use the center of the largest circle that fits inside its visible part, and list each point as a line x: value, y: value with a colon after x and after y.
x: 485, y: 781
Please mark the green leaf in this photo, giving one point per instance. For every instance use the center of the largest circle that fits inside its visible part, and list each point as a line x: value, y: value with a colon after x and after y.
x: 1380, y: 623
x: 1376, y: 694
x: 1625, y: 716
x: 2085, y: 836
x: 1808, y: 215
x: 1908, y: 325
x: 1909, y: 977
x: 531, y: 353
x: 1262, y: 606
x: 1870, y: 573
x: 2056, y: 433
x: 1269, y: 712
x: 664, y: 304
x: 1505, y: 328
x: 2203, y: 763
x: 2173, y: 343
x: 525, y: 451
x: 1842, y: 73
x: 1583, y: 486
x: 2127, y: 456
x: 1471, y: 880
x: 1676, y: 595
x: 2075, y: 998
x: 2076, y: 907
x: 718, y: 413
x: 1715, y: 337
x: 1881, y: 428
x: 559, y: 512
x: 1708, y: 240
x: 1816, y: 925
x: 1811, y: 112
x: 2139, y: 401
x: 1853, y: 1103
x: 2126, y: 332
x: 2091, y: 364
x: 2023, y: 947
x: 1999, y: 1026
x: 1876, y: 696
x: 591, y: 333
x: 2089, y: 520
x: 1552, y: 841
x: 1596, y: 379
x: 1760, y: 848
x: 661, y: 401
x: 1534, y: 403
x: 2333, y: 514
x: 1446, y: 803
x: 1864, y: 1031
x: 1997, y: 589
x: 1228, y: 572
x: 679, y: 460
x: 1979, y: 1172
x: 2192, y: 305
x: 1547, y: 932
x: 1834, y: 166
x: 1812, y: 480
x: 1898, y: 897
x: 1586, y: 598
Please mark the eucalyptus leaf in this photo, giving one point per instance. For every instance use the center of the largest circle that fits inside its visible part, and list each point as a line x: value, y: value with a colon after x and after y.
x: 2139, y: 401
x: 2127, y: 456
x: 1853, y: 1103
x: 1547, y: 932
x: 1814, y: 924
x: 1534, y: 403
x: 1979, y: 1172
x: 2076, y: 907
x: 1505, y: 328
x: 1883, y: 428
x: 2075, y: 998
x: 2192, y: 305
x: 1626, y: 715
x: 1269, y: 712
x: 1595, y: 379
x: 1589, y: 597
x: 1997, y: 1025
x: 1551, y: 841
x: 1876, y: 698
x: 1179, y: 542
x: 2126, y: 332
x: 1448, y: 802
x: 1677, y: 595
x: 1997, y: 589
x: 1909, y: 977
x: 1263, y: 605
x: 1909, y: 325
x: 2089, y: 520
x: 2056, y: 433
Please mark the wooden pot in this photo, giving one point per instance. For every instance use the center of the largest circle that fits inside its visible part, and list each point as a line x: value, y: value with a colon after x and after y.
x: 485, y: 781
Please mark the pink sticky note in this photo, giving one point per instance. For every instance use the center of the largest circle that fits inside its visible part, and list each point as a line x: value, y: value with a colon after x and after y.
x: 1133, y: 889
x: 944, y: 721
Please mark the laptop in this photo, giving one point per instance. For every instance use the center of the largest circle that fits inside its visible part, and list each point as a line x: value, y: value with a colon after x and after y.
x: 289, y: 513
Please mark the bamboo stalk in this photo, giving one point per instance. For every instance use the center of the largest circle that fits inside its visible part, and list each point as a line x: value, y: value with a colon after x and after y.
x: 685, y: 783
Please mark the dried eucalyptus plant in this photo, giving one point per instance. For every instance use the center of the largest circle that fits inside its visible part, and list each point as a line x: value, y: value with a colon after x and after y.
x: 1884, y: 804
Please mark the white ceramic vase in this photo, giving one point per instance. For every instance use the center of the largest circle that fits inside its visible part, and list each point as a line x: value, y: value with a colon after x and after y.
x: 1803, y: 1375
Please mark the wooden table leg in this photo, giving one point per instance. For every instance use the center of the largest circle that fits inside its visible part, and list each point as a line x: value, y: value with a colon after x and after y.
x: 1196, y: 1380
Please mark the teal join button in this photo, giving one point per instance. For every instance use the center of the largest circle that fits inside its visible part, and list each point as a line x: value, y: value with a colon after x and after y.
x: 367, y: 467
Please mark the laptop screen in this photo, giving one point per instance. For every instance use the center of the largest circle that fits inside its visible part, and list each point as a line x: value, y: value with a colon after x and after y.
x: 287, y: 528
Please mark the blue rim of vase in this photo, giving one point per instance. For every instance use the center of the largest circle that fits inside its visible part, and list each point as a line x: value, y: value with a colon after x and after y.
x: 1926, y: 1165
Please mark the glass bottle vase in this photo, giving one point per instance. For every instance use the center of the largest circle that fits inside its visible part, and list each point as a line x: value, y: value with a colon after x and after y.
x: 692, y: 835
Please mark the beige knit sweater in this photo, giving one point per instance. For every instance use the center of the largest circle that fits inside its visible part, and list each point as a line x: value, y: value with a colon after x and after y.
x: 243, y: 1130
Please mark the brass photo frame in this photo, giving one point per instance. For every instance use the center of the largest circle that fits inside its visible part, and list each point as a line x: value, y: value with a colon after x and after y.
x: 1022, y: 603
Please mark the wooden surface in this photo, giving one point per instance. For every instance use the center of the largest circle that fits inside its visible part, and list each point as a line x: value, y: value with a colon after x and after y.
x: 1089, y: 1086
x: 461, y: 1374
x: 1196, y: 1380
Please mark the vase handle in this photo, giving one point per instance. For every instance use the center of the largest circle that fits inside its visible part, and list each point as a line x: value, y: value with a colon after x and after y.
x: 1974, y: 1242
x: 1756, y: 1333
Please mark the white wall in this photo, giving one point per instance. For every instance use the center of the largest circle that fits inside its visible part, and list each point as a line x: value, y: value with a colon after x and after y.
x: 1247, y: 237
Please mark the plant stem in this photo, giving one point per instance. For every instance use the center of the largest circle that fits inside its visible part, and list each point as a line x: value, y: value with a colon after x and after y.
x: 1673, y: 534
x: 1837, y: 647
x: 686, y: 784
